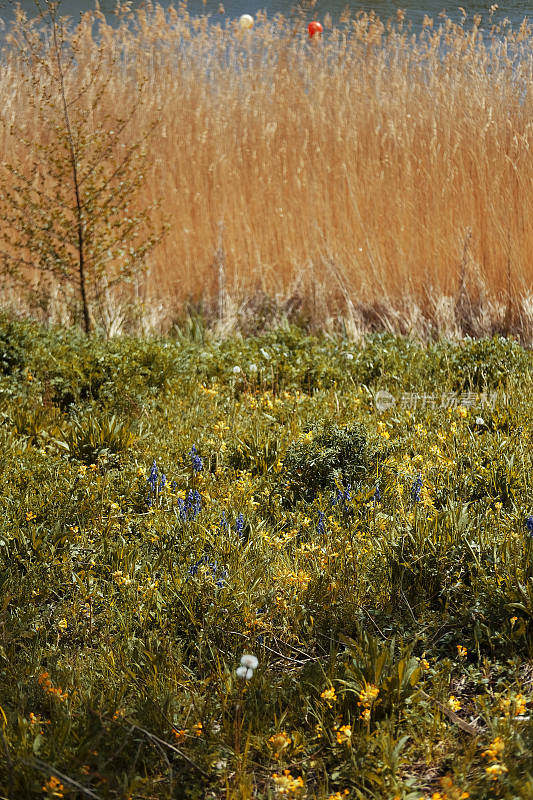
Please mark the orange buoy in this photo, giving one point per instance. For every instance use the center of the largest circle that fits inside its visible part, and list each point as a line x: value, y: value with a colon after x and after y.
x: 314, y: 27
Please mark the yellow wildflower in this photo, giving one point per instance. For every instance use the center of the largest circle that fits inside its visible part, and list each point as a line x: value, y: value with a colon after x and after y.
x: 286, y: 784
x: 461, y: 651
x: 53, y: 787
x: 344, y: 734
x: 452, y: 792
x: 280, y: 741
x: 368, y: 695
x: 329, y: 696
x: 513, y: 706
x: 495, y: 749
x: 495, y: 771
x: 454, y: 703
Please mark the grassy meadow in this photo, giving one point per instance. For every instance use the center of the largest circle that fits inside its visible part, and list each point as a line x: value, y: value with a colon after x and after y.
x: 276, y: 549
x: 173, y: 508
x: 381, y: 176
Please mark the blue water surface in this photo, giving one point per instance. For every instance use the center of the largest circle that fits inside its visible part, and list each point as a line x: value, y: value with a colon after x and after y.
x: 514, y: 10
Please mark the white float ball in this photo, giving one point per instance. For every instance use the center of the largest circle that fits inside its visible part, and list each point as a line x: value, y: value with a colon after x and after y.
x: 246, y: 22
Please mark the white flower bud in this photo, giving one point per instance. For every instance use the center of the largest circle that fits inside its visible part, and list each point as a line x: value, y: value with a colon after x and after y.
x: 241, y: 672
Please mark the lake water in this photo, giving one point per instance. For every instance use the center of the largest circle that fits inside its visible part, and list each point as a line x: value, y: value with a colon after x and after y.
x: 514, y: 10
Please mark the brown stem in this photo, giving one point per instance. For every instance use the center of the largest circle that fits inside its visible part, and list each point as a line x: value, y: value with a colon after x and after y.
x: 75, y: 179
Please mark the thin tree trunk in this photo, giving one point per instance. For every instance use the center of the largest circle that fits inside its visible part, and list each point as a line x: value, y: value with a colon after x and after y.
x: 75, y: 179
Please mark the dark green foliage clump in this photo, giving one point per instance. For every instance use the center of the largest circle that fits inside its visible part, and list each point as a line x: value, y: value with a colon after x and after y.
x: 12, y: 346
x: 327, y: 456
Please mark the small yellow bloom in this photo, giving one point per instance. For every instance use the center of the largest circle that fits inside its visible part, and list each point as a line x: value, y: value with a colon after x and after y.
x: 329, y: 695
x: 495, y: 771
x: 454, y: 703
x: 451, y: 792
x: 62, y: 624
x: 495, y: 749
x: 280, y: 741
x: 198, y: 729
x: 53, y: 787
x: 368, y: 695
x: 461, y: 651
x: 180, y: 735
x: 514, y: 706
x: 344, y: 734
x: 30, y: 516
x: 286, y: 784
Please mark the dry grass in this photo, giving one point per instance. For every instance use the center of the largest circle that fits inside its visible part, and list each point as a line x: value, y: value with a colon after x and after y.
x: 370, y: 170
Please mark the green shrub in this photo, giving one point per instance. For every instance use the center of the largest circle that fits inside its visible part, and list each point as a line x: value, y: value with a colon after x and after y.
x: 325, y: 457
x: 13, y: 343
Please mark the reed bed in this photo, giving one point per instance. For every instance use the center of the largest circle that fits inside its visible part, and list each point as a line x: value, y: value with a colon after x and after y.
x: 378, y: 175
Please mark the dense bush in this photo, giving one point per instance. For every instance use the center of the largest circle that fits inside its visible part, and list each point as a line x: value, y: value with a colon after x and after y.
x: 327, y: 457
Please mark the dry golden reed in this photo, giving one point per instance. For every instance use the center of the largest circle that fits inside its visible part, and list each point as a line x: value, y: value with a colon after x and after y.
x: 373, y: 167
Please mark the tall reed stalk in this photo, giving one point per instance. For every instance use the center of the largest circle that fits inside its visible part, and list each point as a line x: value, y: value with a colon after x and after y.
x: 346, y: 170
